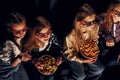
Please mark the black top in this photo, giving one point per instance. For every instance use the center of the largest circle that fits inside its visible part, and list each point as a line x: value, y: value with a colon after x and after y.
x: 53, y: 48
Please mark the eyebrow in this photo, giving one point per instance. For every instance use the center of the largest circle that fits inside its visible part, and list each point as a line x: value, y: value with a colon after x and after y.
x: 117, y: 10
x: 45, y: 32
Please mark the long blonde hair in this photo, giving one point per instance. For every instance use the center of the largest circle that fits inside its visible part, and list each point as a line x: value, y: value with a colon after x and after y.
x: 37, y: 25
x: 77, y: 32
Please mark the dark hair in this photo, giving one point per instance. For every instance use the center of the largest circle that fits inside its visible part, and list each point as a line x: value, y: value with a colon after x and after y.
x: 84, y: 11
x: 14, y: 18
x: 40, y: 21
x: 9, y: 20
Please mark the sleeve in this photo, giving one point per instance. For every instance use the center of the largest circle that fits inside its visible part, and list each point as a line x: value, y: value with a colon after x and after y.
x: 68, y: 47
x: 5, y: 60
x: 57, y: 45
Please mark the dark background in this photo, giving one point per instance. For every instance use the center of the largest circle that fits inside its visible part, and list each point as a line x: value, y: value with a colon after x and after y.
x: 59, y: 12
x: 61, y: 15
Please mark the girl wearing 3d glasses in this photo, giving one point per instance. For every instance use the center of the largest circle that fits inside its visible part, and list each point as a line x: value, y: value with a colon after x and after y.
x: 45, y: 49
x: 110, y: 34
x: 11, y: 56
x: 81, y: 47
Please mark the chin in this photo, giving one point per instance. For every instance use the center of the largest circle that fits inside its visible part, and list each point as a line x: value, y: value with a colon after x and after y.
x: 21, y: 37
x: 46, y: 41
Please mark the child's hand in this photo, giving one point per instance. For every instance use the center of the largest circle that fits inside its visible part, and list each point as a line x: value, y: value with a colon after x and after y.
x: 59, y: 61
x: 110, y: 43
x: 25, y: 57
x: 89, y: 61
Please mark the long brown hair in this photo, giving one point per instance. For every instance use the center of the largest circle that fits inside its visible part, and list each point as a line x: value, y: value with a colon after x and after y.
x: 12, y: 18
x: 37, y: 25
x: 109, y: 21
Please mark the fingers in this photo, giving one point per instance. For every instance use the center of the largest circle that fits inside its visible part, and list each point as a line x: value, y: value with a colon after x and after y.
x: 26, y: 57
x: 73, y: 59
x: 90, y: 61
x: 110, y: 43
x: 59, y: 61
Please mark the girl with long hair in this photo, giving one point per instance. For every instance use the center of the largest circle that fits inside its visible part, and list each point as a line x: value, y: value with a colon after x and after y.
x: 40, y: 44
x: 109, y: 34
x: 11, y: 55
x: 81, y: 47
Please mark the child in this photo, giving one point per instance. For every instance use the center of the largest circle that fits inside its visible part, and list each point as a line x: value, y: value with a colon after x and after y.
x: 41, y: 43
x: 11, y: 56
x: 81, y: 47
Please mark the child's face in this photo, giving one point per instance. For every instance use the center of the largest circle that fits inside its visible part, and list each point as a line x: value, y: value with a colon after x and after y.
x: 116, y: 14
x: 44, y: 34
x: 89, y: 22
x: 19, y: 30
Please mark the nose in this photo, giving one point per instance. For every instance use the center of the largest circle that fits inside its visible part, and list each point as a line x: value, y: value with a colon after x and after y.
x: 46, y: 35
x: 21, y: 32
